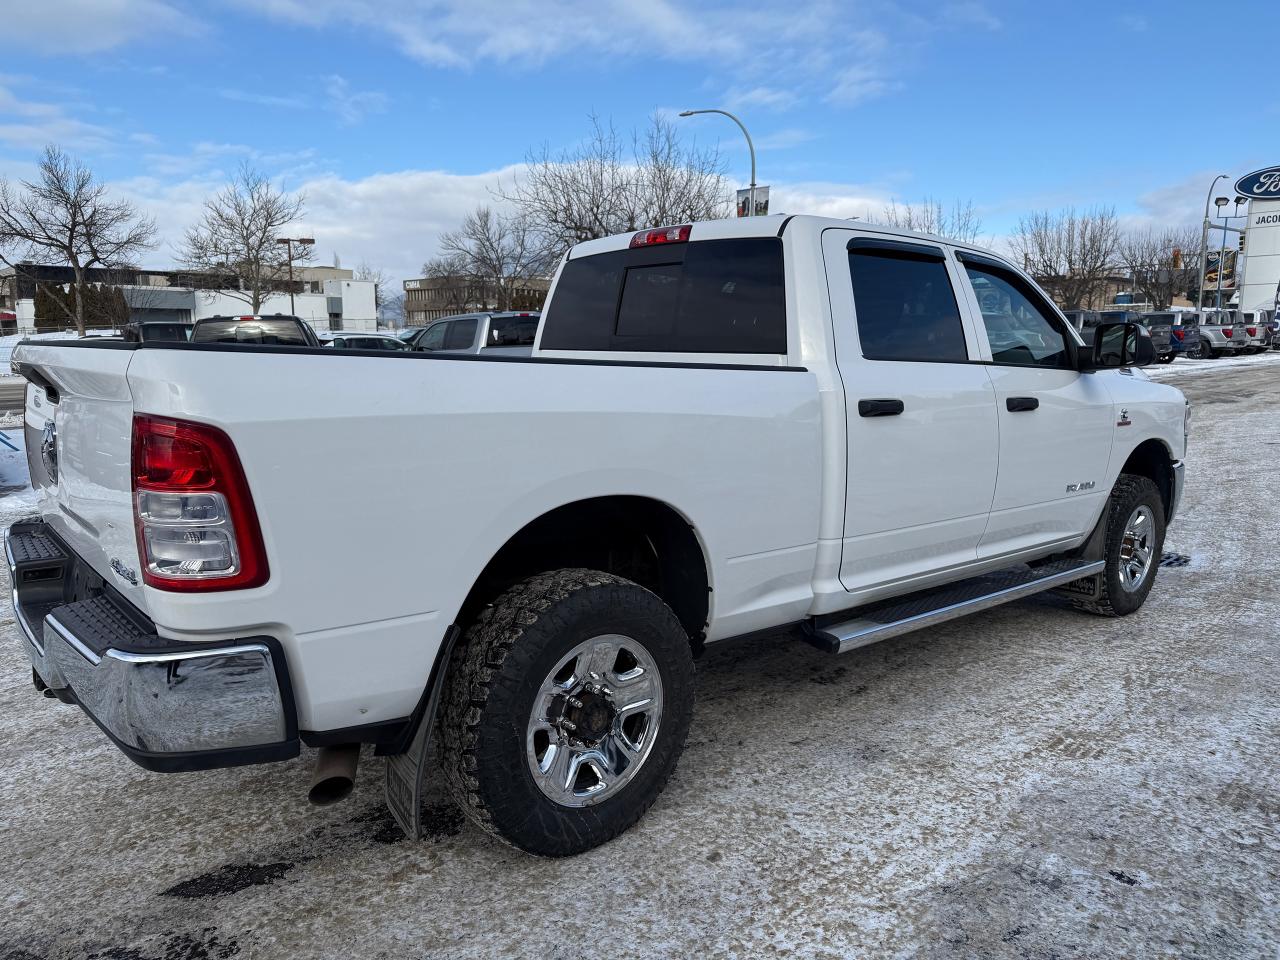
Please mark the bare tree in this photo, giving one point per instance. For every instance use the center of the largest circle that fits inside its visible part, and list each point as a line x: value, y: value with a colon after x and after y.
x: 1071, y: 253
x: 239, y: 234
x: 1163, y: 263
x: 65, y: 217
x: 498, y: 254
x: 381, y: 282
x: 450, y: 280
x: 960, y: 222
x: 601, y: 188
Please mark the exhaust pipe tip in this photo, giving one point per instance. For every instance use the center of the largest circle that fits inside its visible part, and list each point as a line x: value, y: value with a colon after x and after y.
x: 335, y: 774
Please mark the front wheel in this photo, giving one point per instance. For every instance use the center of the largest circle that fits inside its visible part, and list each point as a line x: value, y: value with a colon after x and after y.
x: 568, y: 710
x: 1133, y: 547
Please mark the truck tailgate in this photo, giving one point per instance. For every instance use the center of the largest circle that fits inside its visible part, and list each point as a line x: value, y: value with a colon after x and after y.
x: 79, y: 418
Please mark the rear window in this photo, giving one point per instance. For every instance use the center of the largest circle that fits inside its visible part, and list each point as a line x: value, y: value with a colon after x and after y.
x: 512, y: 332
x: 285, y: 332
x: 709, y: 296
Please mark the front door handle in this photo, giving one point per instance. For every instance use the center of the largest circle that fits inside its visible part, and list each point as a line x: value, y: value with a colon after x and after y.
x: 880, y: 408
x: 1020, y: 404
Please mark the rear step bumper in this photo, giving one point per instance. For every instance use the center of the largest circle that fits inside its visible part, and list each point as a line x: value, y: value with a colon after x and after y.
x: 169, y: 706
x: 890, y: 618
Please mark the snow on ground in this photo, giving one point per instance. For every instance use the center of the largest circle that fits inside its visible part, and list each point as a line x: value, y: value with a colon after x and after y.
x: 16, y: 495
x: 1165, y: 371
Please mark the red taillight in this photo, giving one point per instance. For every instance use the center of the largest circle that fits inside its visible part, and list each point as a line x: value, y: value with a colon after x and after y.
x: 196, y: 525
x: 1251, y: 331
x: 242, y: 319
x: 647, y: 238
x: 1227, y: 331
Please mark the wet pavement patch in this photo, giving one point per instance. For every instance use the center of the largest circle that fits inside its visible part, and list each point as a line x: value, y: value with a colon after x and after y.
x: 1174, y: 560
x: 230, y: 879
x: 179, y: 946
x: 1123, y: 878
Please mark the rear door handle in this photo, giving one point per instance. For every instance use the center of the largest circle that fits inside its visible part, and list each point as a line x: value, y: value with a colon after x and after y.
x: 880, y: 408
x: 1020, y: 404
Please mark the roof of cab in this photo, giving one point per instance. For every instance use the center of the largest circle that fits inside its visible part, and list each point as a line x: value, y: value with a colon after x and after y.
x: 770, y: 226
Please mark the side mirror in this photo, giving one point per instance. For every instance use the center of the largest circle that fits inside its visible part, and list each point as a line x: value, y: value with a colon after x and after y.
x: 1118, y: 345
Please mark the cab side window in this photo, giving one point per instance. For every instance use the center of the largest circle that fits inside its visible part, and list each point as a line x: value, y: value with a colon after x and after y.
x: 1022, y: 331
x: 905, y: 307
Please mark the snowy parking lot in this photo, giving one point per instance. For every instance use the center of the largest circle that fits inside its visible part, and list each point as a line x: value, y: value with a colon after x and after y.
x: 1028, y: 782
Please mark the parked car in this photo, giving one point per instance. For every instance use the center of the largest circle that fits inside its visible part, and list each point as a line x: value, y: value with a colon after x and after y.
x: 410, y: 334
x: 1272, y: 325
x: 151, y: 331
x: 276, y: 330
x: 1221, y: 333
x: 361, y: 340
x: 1180, y: 328
x: 1257, y: 336
x: 1160, y: 326
x: 906, y: 432
x: 510, y: 333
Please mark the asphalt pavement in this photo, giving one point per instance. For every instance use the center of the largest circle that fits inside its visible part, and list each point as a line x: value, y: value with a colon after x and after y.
x: 12, y: 394
x: 1030, y: 782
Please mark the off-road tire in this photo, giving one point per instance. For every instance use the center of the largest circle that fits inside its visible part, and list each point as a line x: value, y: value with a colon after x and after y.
x: 1128, y: 494
x: 512, y: 645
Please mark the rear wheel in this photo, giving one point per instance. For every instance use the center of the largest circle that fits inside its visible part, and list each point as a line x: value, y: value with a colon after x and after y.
x: 568, y: 711
x: 1133, y: 547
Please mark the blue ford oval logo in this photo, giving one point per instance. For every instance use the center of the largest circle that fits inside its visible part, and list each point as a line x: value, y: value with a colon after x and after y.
x: 1261, y: 184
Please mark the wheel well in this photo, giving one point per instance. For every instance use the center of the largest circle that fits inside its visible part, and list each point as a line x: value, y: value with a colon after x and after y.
x: 643, y: 540
x: 1151, y: 459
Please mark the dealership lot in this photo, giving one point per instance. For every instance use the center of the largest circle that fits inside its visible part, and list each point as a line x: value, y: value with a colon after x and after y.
x: 1031, y: 781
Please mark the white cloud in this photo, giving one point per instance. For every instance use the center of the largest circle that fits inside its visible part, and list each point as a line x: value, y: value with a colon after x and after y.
x: 91, y: 26
x: 30, y: 125
x: 262, y: 99
x: 971, y: 14
x: 352, y: 106
x: 767, y: 55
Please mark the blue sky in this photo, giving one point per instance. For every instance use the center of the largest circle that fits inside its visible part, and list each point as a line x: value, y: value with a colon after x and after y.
x: 396, y: 117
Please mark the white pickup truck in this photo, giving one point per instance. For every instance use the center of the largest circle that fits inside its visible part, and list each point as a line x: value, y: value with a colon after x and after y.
x: 769, y: 424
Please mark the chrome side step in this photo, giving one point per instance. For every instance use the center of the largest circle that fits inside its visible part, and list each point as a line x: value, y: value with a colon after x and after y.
x: 925, y: 608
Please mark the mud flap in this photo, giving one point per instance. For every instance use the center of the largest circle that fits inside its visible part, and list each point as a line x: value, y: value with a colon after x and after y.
x: 405, y: 773
x: 403, y: 779
x: 1086, y: 588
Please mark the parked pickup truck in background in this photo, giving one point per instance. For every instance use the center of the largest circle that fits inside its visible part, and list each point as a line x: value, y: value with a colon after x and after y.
x: 769, y: 423
x: 494, y: 333
x: 1221, y: 334
x: 275, y: 330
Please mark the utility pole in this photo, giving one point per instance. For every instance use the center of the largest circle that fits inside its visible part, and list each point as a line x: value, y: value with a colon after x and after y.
x: 289, y: 242
x: 1204, y: 245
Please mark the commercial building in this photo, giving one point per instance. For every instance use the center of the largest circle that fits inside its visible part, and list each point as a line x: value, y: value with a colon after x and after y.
x: 328, y: 298
x: 429, y: 298
x: 1260, y: 282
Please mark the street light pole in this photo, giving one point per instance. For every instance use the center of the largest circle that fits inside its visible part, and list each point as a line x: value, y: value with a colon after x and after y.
x: 750, y: 149
x: 1204, y: 245
x: 289, y: 242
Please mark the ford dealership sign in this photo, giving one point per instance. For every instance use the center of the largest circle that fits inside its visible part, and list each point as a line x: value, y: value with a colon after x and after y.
x: 1261, y: 184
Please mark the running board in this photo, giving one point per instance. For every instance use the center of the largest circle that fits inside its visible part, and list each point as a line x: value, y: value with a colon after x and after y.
x: 925, y: 608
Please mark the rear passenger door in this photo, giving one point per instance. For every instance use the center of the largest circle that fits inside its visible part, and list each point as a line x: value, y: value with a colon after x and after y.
x: 920, y: 414
x: 1056, y: 424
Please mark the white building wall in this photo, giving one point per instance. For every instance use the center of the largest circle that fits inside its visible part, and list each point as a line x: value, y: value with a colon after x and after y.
x: 1262, y: 256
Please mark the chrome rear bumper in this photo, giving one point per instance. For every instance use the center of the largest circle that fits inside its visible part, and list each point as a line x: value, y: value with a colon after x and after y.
x: 168, y: 705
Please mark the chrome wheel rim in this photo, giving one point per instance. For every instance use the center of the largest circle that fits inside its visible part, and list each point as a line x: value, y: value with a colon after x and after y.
x: 594, y: 720
x: 1137, y: 548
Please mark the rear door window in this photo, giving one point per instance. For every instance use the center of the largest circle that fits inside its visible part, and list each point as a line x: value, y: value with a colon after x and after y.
x: 709, y: 296
x: 904, y: 304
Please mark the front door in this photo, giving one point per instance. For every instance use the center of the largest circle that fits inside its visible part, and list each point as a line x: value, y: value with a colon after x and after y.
x: 923, y: 440
x: 1056, y: 423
